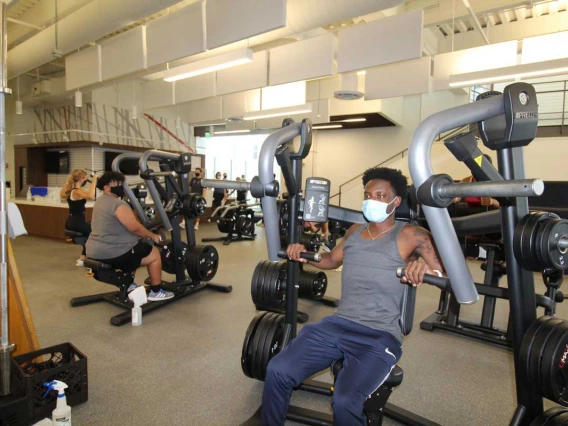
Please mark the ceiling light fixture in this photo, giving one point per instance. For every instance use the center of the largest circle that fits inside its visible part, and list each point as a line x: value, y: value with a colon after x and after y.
x: 227, y: 60
x: 332, y: 126
x: 278, y: 112
x: 226, y: 132
x: 536, y: 69
x: 361, y: 72
x: 351, y: 120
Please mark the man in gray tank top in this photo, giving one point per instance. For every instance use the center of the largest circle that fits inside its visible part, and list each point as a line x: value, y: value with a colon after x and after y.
x: 365, y: 330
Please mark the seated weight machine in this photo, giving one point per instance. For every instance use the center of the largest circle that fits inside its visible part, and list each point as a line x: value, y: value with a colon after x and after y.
x: 237, y: 221
x: 269, y: 332
x: 532, y: 242
x: 193, y: 265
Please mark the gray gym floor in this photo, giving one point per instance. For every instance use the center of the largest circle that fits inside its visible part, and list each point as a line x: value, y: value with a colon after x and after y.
x: 182, y: 366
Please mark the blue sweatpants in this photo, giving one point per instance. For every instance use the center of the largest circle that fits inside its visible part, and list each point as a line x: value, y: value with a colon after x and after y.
x: 369, y: 357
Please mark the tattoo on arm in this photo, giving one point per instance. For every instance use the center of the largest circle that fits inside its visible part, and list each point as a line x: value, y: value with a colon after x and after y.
x: 425, y: 248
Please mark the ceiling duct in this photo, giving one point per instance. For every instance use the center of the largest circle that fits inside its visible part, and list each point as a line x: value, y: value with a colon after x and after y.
x: 92, y: 22
x: 349, y: 88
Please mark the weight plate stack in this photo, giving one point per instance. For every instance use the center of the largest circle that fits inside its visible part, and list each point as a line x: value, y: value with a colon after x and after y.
x: 312, y: 242
x: 312, y: 284
x: 202, y: 262
x: 244, y: 226
x: 262, y: 342
x: 551, y: 417
x: 168, y: 257
x: 268, y: 285
x: 544, y: 356
x: 225, y: 225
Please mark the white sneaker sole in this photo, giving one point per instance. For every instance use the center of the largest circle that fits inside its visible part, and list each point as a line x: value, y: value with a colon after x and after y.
x: 159, y: 299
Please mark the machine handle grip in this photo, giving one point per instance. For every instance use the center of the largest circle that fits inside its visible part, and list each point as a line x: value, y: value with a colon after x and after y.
x: 440, y: 282
x: 308, y: 255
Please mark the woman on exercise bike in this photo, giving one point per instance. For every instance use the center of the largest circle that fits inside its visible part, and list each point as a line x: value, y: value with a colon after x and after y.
x: 77, y: 197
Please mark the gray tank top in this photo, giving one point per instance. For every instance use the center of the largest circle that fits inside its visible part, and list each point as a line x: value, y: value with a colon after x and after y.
x: 109, y: 238
x: 371, y: 293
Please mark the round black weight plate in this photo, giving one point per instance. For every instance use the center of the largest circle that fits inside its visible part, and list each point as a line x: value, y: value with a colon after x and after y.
x: 261, y: 269
x: 202, y: 262
x: 264, y: 283
x: 527, y: 343
x: 556, y: 257
x: 261, y: 349
x: 541, y: 241
x: 554, y: 370
x: 245, y: 225
x: 246, y: 352
x: 547, y: 416
x: 150, y: 212
x: 523, y: 240
x: 272, y: 343
x: 263, y: 326
x: 271, y: 284
x: 535, y: 357
x: 559, y: 420
x: 225, y: 225
x: 278, y: 289
x: 169, y: 259
x: 254, y: 284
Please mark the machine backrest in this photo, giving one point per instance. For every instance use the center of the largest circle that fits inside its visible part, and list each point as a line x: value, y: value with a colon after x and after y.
x: 408, y: 211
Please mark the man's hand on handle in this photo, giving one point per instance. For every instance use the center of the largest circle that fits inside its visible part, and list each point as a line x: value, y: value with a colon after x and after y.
x: 414, y: 273
x: 293, y: 251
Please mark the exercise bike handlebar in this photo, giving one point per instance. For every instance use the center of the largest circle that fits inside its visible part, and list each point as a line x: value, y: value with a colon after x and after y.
x: 308, y: 255
x: 512, y: 188
x: 420, y: 166
x: 115, y: 166
x: 226, y: 184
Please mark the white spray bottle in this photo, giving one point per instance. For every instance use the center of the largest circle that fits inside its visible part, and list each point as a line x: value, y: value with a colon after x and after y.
x: 61, y: 416
x: 138, y: 297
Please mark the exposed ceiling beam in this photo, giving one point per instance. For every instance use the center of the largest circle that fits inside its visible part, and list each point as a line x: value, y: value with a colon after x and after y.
x: 476, y: 23
x: 462, y: 26
x: 25, y: 24
x: 521, y: 13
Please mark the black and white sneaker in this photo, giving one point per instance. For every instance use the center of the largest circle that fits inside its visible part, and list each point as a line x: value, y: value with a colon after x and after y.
x: 158, y: 296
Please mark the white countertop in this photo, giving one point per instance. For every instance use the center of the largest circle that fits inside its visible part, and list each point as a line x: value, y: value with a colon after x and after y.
x: 45, y: 202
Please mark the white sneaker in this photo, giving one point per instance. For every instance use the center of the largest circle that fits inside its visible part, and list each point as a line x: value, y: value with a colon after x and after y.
x: 339, y: 269
x: 159, y: 296
x: 196, y: 227
x: 182, y: 225
x: 79, y: 262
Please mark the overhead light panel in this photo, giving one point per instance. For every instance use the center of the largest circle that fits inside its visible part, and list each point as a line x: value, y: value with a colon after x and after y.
x: 536, y: 69
x: 227, y: 60
x: 332, y: 126
x: 278, y: 112
x: 226, y: 132
x: 351, y: 120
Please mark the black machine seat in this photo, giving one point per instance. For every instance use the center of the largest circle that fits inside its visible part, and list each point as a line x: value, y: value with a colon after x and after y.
x: 108, y: 274
x: 73, y: 234
x: 77, y: 237
x: 393, y: 380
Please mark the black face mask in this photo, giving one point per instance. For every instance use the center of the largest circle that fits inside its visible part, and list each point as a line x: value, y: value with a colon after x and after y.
x: 84, y: 183
x: 118, y: 191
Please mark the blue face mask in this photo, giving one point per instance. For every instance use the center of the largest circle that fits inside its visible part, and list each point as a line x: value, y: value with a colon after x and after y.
x: 376, y: 211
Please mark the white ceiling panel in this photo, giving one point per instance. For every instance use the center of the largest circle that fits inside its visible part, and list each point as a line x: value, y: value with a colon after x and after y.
x: 244, y: 77
x: 124, y: 53
x: 203, y: 110
x: 233, y: 20
x: 236, y: 104
x: 83, y: 68
x: 199, y: 87
x: 176, y: 35
x: 157, y: 93
x: 393, y: 39
x: 400, y: 79
x: 304, y: 60
x: 471, y: 60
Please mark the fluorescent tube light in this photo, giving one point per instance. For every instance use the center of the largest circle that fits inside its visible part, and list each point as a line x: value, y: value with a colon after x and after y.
x: 226, y: 132
x: 227, y: 60
x: 278, y: 112
x: 361, y: 72
x: 351, y: 120
x: 536, y: 69
x: 332, y: 126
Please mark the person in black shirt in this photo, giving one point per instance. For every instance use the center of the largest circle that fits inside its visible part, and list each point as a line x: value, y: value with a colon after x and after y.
x: 76, y: 198
x: 219, y: 195
x: 195, y: 187
x: 241, y: 195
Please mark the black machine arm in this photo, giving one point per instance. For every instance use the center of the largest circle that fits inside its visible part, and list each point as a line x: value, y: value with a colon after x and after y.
x: 127, y: 190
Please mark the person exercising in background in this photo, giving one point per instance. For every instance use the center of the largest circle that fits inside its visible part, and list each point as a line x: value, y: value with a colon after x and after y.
x: 195, y: 187
x: 116, y: 238
x: 219, y: 195
x: 365, y: 330
x: 77, y: 197
x: 490, y: 203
